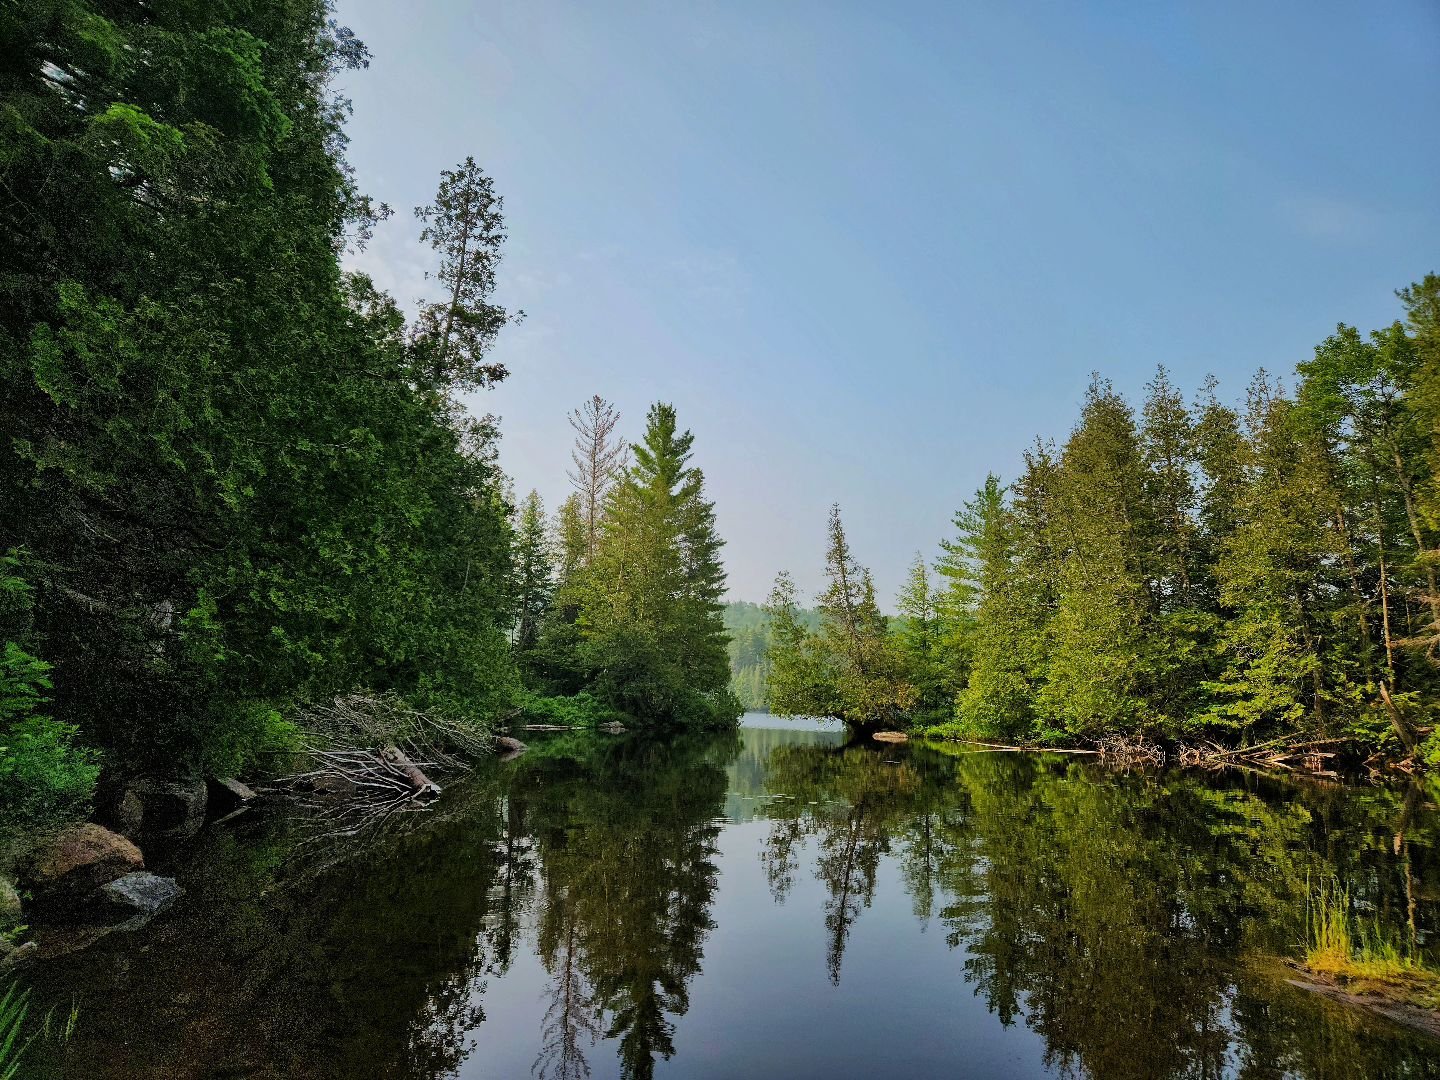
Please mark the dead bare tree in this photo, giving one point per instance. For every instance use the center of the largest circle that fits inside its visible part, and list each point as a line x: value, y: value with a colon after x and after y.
x: 599, y: 458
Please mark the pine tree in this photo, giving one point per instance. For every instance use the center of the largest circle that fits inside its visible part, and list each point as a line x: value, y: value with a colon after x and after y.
x: 534, y: 575
x: 799, y: 682
x: 554, y: 664
x: 986, y: 563
x: 650, y: 610
x: 854, y: 634
x: 921, y: 645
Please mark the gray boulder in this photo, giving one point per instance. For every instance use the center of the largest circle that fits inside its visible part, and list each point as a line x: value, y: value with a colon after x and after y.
x: 164, y: 808
x: 228, y: 795
x: 129, y: 902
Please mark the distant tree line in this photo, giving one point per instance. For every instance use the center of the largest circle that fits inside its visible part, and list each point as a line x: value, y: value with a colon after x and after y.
x: 748, y: 625
x: 1196, y: 571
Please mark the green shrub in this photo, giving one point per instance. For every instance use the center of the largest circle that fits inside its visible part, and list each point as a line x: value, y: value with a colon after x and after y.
x: 255, y: 738
x: 581, y: 710
x: 46, y: 779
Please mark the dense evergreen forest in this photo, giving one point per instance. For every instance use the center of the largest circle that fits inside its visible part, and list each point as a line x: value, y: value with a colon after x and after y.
x: 1192, y: 573
x: 748, y: 625
x: 236, y: 478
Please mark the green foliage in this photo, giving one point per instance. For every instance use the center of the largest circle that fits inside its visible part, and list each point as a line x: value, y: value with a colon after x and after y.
x: 1341, y: 943
x: 850, y: 668
x: 240, y: 477
x: 923, y: 640
x: 749, y: 628
x: 534, y: 576
x: 46, y: 777
x: 14, y: 1007
x: 799, y: 682
x: 577, y: 710
x: 1009, y: 598
x: 638, y: 621
x: 1187, y: 574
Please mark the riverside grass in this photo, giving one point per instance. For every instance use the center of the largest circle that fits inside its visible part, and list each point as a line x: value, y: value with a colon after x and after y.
x: 1343, y: 946
x: 14, y: 1006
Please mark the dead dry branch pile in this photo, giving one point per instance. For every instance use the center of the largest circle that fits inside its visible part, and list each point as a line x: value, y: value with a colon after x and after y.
x: 1314, y: 757
x: 1130, y: 751
x: 372, y: 755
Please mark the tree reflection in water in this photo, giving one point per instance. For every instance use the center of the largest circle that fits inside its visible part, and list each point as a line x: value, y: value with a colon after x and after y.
x: 1116, y: 916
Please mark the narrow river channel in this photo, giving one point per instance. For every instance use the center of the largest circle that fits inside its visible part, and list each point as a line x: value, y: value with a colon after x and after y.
x: 772, y: 903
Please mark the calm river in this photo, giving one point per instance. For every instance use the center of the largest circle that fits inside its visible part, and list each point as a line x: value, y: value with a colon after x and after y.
x: 773, y: 903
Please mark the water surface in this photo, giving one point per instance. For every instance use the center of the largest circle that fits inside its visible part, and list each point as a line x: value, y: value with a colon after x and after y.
x: 773, y: 903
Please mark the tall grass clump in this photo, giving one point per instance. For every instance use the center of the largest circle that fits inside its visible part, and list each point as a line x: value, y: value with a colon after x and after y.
x: 1341, y: 944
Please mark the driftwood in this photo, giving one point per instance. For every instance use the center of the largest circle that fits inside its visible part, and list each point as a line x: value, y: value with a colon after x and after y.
x: 1000, y: 748
x: 1130, y: 751
x: 1375, y: 999
x: 1285, y: 754
x: 372, y: 757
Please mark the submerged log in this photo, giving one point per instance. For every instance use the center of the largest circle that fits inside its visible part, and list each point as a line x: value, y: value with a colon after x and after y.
x: 1375, y: 998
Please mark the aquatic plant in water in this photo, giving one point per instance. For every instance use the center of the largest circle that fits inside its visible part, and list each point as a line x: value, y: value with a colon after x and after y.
x: 1344, y: 946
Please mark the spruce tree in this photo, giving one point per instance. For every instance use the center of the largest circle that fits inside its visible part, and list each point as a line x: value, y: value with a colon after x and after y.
x: 921, y: 645
x: 799, y: 681
x: 650, y: 610
x: 534, y: 575
x: 869, y: 682
x: 984, y: 562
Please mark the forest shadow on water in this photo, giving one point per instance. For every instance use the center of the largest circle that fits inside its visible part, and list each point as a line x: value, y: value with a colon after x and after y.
x: 776, y: 902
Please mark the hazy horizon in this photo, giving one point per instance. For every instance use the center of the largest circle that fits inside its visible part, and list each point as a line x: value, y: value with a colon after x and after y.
x: 870, y: 255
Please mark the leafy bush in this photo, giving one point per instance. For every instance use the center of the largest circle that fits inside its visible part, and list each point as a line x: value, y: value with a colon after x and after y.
x: 582, y: 710
x: 45, y: 777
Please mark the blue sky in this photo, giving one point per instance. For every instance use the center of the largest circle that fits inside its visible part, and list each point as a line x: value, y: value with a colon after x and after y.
x: 870, y: 251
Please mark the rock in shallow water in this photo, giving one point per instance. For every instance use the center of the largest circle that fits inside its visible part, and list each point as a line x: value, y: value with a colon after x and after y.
x: 131, y: 901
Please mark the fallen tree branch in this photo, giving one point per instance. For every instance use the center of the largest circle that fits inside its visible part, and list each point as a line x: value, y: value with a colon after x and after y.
x: 369, y: 754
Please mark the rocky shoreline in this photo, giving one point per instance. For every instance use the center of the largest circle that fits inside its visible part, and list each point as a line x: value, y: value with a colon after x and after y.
x: 90, y: 879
